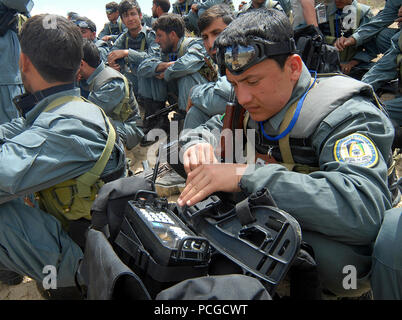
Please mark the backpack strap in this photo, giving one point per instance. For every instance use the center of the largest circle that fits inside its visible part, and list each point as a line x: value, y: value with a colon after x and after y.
x: 88, y: 179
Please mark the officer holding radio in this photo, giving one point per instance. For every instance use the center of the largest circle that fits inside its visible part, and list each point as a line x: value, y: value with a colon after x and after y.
x: 323, y: 156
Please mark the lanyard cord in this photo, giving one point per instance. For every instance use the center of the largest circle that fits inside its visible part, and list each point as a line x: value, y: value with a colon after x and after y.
x: 294, y: 119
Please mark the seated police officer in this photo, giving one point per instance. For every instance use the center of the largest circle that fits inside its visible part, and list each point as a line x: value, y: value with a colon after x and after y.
x: 88, y: 31
x: 61, y: 148
x: 321, y: 145
x: 206, y: 100
x: 111, y: 91
x: 115, y: 27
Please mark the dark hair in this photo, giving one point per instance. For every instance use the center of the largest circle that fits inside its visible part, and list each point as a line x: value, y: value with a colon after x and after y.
x: 91, y: 54
x: 266, y: 24
x: 215, y: 12
x: 72, y: 15
x: 90, y: 23
x: 54, y: 46
x: 170, y: 22
x: 112, y: 5
x: 127, y: 5
x: 164, y: 4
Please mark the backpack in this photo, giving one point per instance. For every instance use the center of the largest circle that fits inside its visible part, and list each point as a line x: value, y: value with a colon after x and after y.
x: 316, y: 55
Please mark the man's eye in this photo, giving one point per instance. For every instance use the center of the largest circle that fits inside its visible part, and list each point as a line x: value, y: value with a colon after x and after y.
x: 252, y: 82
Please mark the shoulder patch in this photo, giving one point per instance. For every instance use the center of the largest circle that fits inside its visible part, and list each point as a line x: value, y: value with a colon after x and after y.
x: 356, y: 149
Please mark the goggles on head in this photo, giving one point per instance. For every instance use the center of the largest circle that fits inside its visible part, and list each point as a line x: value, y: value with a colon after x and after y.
x: 110, y: 11
x: 238, y: 58
x: 84, y: 25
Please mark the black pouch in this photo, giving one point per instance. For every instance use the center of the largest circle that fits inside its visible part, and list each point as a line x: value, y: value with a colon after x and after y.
x: 8, y: 21
x: 316, y: 55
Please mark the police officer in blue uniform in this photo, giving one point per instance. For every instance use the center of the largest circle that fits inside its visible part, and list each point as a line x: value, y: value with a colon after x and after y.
x: 61, y: 148
x: 111, y: 91
x: 323, y: 156
x: 10, y: 77
x: 114, y: 28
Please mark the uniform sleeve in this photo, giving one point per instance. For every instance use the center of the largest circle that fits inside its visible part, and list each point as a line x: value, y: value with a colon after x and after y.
x: 342, y: 200
x: 108, y: 96
x: 104, y: 32
x: 212, y: 97
x: 191, y: 62
x: 382, y: 20
x: 147, y: 67
x: 208, y: 132
x: 136, y: 57
x: 384, y: 69
x: 39, y: 157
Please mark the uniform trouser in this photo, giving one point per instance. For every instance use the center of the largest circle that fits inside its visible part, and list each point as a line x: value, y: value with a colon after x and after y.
x: 336, y: 263
x: 153, y: 89
x: 8, y: 111
x: 383, y: 39
x: 394, y: 108
x: 386, y: 277
x: 31, y: 239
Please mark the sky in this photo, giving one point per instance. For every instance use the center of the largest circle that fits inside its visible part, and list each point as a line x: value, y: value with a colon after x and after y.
x: 93, y: 9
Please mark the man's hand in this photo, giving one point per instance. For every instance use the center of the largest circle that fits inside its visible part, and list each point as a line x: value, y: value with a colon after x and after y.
x: 342, y: 42
x: 346, y: 67
x: 115, y: 66
x: 194, y: 8
x: 197, y: 155
x: 107, y: 38
x: 116, y: 55
x: 189, y: 104
x: 210, y: 178
x: 161, y: 68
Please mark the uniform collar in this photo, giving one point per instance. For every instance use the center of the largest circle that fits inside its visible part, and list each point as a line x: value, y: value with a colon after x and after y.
x: 98, y: 70
x: 40, y: 100
x: 143, y: 31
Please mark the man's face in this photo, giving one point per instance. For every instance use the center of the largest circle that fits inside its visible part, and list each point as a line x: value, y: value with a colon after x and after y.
x: 264, y: 89
x: 258, y: 3
x: 210, y: 33
x: 165, y: 41
x: 88, y: 34
x: 340, y: 4
x: 113, y: 16
x: 154, y: 10
x: 132, y: 19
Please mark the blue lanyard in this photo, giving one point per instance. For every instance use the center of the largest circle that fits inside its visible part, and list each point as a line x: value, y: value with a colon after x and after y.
x: 294, y: 119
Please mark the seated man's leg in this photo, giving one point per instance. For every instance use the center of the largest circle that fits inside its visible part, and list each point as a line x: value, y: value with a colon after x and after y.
x: 383, y: 39
x: 339, y: 263
x: 385, y: 69
x: 31, y: 239
x: 394, y: 108
x: 386, y: 277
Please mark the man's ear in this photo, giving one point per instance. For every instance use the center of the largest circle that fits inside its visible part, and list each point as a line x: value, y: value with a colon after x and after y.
x: 294, y: 64
x: 25, y: 63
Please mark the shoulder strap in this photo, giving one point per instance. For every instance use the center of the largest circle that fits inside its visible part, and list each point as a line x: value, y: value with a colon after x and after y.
x: 88, y: 179
x: 184, y: 45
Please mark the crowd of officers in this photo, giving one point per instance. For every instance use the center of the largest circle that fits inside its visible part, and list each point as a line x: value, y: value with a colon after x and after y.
x: 138, y: 65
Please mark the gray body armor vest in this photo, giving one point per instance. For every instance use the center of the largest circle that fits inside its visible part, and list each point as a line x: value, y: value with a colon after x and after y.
x: 319, y: 103
x: 128, y: 106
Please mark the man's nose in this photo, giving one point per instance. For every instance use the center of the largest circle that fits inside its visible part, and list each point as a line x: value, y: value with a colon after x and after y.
x: 243, y: 95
